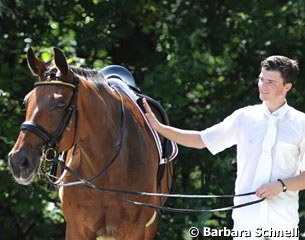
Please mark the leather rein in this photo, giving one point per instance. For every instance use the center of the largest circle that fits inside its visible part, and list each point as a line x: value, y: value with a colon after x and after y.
x: 87, y: 183
x: 50, y: 154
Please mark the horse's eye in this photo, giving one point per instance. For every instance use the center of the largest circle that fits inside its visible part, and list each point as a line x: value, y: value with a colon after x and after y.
x: 61, y: 105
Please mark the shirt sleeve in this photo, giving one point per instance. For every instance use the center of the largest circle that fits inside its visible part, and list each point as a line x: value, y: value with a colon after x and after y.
x: 222, y: 135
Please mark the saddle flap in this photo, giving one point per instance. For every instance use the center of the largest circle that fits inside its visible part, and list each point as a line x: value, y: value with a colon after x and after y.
x: 121, y: 79
x: 169, y: 148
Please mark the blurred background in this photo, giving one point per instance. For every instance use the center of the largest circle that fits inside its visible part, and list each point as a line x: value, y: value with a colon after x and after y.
x: 199, y: 59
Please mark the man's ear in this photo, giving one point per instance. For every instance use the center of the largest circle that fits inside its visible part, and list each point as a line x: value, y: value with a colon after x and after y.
x: 36, y: 66
x: 288, y: 87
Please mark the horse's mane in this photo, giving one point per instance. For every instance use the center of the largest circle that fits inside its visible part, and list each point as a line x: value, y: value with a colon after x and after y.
x: 88, y: 74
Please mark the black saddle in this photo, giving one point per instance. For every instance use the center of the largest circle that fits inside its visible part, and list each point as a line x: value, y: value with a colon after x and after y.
x: 121, y: 73
x: 121, y: 79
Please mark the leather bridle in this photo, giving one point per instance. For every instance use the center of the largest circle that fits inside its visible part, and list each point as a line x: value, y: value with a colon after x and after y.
x: 51, y: 141
x: 49, y: 152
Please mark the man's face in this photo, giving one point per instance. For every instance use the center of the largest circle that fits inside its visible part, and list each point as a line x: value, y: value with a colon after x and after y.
x: 271, y: 86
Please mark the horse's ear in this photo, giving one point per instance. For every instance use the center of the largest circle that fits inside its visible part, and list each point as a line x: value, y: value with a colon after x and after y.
x: 60, y: 61
x: 36, y: 66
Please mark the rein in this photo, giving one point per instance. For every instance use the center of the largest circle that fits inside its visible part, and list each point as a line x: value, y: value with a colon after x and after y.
x: 87, y: 183
x: 122, y: 127
x: 57, y: 159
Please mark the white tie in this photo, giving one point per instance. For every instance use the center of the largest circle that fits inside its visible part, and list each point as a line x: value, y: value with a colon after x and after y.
x: 263, y: 169
x: 264, y: 165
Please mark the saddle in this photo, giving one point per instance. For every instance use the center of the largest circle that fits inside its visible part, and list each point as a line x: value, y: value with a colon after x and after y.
x: 121, y: 79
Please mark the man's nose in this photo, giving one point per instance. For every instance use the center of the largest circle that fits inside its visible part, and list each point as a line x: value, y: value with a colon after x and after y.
x: 261, y: 83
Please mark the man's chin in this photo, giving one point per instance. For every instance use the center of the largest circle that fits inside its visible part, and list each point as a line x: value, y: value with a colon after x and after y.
x: 263, y: 97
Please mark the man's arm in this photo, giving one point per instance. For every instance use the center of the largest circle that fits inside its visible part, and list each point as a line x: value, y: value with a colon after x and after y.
x: 188, y: 138
x: 296, y: 183
x: 270, y: 190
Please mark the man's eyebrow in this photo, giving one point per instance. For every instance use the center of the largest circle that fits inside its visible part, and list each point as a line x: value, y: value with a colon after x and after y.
x: 268, y: 79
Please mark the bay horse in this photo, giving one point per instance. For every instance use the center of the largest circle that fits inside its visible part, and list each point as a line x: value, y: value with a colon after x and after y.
x: 70, y: 109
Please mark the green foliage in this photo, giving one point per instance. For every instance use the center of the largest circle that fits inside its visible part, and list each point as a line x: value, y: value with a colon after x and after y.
x: 200, y: 59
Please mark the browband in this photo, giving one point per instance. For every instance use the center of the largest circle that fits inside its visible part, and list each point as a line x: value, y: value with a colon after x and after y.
x: 55, y: 83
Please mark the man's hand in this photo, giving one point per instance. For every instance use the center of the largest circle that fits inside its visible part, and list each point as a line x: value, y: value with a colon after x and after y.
x: 188, y: 138
x: 269, y: 190
x: 151, y: 117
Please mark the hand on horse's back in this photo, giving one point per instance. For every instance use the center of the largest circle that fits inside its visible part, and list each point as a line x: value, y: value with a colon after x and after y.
x: 151, y: 117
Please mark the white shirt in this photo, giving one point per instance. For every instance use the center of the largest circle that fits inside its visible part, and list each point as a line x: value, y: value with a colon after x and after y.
x: 246, y: 128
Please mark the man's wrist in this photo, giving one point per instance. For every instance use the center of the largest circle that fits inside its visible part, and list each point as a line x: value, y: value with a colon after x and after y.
x: 284, y: 187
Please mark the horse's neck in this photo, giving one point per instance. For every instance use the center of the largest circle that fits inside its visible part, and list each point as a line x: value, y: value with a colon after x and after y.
x: 99, y: 136
x: 99, y: 118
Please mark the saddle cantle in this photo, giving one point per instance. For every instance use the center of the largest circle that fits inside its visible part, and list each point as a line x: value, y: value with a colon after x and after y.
x: 120, y: 78
x: 121, y: 73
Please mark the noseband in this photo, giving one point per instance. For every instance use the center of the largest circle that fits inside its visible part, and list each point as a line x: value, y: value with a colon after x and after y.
x: 51, y: 141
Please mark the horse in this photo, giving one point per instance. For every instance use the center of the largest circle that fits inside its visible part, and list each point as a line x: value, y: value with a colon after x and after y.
x: 75, y: 111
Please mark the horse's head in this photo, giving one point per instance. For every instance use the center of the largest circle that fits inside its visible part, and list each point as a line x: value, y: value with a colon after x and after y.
x: 49, y: 117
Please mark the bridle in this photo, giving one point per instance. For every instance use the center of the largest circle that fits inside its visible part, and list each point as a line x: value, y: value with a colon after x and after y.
x: 51, y: 141
x: 49, y: 153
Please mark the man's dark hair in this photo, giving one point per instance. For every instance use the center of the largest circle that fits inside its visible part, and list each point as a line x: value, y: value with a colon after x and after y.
x: 288, y: 68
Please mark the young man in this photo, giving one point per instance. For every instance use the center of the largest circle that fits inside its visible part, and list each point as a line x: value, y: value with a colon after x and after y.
x: 270, y: 139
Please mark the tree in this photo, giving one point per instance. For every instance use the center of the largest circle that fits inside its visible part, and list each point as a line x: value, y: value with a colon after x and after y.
x: 200, y: 59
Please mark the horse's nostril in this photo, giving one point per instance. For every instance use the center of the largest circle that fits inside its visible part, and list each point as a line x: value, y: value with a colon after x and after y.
x: 25, y: 163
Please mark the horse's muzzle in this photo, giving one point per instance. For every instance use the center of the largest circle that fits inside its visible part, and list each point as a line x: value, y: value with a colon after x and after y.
x: 23, y: 165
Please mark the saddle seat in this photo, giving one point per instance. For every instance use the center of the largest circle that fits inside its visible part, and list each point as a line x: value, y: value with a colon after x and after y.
x: 121, y: 79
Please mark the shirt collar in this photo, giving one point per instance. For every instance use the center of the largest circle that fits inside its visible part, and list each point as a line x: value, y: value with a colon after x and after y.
x: 280, y: 112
